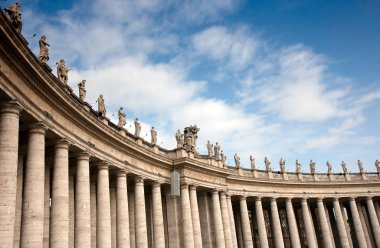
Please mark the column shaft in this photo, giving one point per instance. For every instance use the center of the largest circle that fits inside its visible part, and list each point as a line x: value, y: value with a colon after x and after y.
x: 93, y: 210
x: 278, y: 238
x: 188, y: 234
x: 141, y: 234
x: 158, y: 221
x: 326, y: 235
x: 123, y: 240
x: 20, y: 177
x: 340, y: 223
x: 225, y: 220
x: 218, y: 223
x: 103, y: 211
x: 245, y: 226
x: 195, y: 217
x: 308, y: 224
x: 293, y: 230
x: 357, y: 224
x: 232, y: 222
x: 374, y: 221
x: 261, y: 223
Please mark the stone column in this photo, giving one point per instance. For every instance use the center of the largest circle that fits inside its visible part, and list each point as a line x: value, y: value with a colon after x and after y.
x: 48, y: 165
x: 158, y: 221
x: 59, y: 218
x: 232, y: 221
x: 357, y: 224
x: 195, y: 216
x: 374, y: 221
x: 113, y: 212
x: 261, y: 223
x: 293, y: 230
x: 278, y: 238
x: 340, y: 223
x: 103, y: 211
x: 83, y: 202
x: 9, y: 136
x: 20, y: 177
x: 225, y: 220
x: 141, y: 233
x: 308, y: 224
x: 122, y: 219
x: 187, y: 223
x: 218, y: 223
x: 93, y: 210
x: 33, y: 200
x: 326, y: 235
x: 245, y: 226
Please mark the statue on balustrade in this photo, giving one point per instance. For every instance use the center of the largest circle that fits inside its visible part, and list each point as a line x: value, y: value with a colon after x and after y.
x: 237, y: 161
x: 82, y: 90
x: 153, y: 135
x: 267, y: 164
x: 216, y: 150
x: 137, y: 127
x: 377, y: 164
x: 253, y: 165
x: 344, y: 167
x: 282, y: 165
x: 298, y: 166
x: 223, y: 157
x: 122, y: 117
x: 190, y: 138
x: 101, y: 106
x: 44, y: 50
x: 329, y: 167
x: 312, y: 166
x: 209, y: 148
x: 179, y: 138
x: 13, y: 14
x: 360, y: 164
x: 62, y: 71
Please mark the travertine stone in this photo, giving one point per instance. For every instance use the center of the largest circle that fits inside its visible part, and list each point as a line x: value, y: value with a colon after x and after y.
x: 131, y: 211
x: 46, y: 235
x: 195, y: 217
x: 310, y: 236
x: 245, y: 226
x: 278, y: 238
x: 374, y: 220
x: 20, y: 175
x: 59, y: 226
x: 261, y: 223
x: 83, y: 202
x: 71, y: 206
x: 293, y: 230
x: 93, y: 210
x: 225, y: 220
x: 232, y: 221
x: 123, y: 240
x: 103, y: 211
x: 113, y: 213
x: 158, y: 221
x: 357, y: 224
x: 33, y: 200
x: 326, y: 235
x: 9, y: 138
x: 187, y: 223
x: 218, y: 223
x: 140, y: 218
x: 341, y: 227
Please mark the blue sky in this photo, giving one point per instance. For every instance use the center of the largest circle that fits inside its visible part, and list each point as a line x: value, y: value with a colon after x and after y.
x: 284, y: 79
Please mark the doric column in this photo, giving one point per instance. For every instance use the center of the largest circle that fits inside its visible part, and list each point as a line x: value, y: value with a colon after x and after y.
x: 326, y: 235
x: 225, y: 220
x: 357, y: 224
x: 83, y: 202
x: 308, y: 224
x: 140, y: 217
x: 245, y: 226
x: 59, y: 218
x: 103, y: 211
x: 278, y: 238
x: 33, y: 200
x: 232, y: 221
x: 188, y: 235
x: 374, y: 221
x: 9, y: 136
x: 340, y: 223
x: 93, y: 210
x: 122, y: 219
x: 20, y: 177
x: 195, y: 216
x: 293, y: 230
x: 218, y: 223
x: 261, y: 223
x: 158, y: 220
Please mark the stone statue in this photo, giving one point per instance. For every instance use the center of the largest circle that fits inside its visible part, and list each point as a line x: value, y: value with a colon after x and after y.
x: 282, y: 165
x: 252, y: 159
x: 344, y: 167
x: 101, y: 106
x: 329, y: 167
x: 82, y: 90
x: 137, y: 128
x: 267, y: 164
x: 237, y: 161
x: 190, y: 138
x: 216, y: 150
x: 377, y: 164
x: 298, y: 166
x: 153, y: 135
x: 312, y: 166
x: 360, y: 164
x: 122, y: 117
x: 44, y: 50
x: 209, y: 148
x: 223, y: 157
x: 13, y: 14
x: 62, y: 71
x: 179, y: 138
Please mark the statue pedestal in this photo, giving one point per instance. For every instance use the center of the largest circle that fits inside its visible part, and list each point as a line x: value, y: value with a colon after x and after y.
x: 139, y: 141
x: 122, y: 133
x: 285, y: 176
x: 347, y: 176
x: 240, y: 171
x: 155, y: 149
x: 300, y: 176
x: 104, y: 120
x: 87, y: 106
x: 364, y: 176
x: 316, y: 177
x: 181, y: 153
x: 190, y: 154
x: 254, y: 173
x: 270, y: 175
x: 331, y: 177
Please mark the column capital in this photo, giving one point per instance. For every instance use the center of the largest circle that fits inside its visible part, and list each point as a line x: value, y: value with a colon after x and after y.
x: 121, y: 173
x: 223, y: 193
x: 139, y: 179
x: 38, y: 127
x: 273, y: 199
x: 258, y: 198
x: 228, y: 196
x: 289, y: 199
x: 156, y: 184
x: 192, y: 187
x: 184, y: 185
x: 62, y: 143
x: 352, y: 198
x: 369, y: 198
x: 242, y: 197
x: 12, y: 107
x: 215, y: 191
x: 304, y: 199
x: 336, y: 198
x: 103, y: 165
x: 320, y: 199
x: 83, y: 156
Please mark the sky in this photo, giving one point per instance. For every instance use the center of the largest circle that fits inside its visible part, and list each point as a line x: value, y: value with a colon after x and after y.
x: 291, y: 79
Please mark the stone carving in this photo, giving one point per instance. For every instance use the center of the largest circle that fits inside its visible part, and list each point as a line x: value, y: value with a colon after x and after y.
x: 122, y: 117
x: 137, y: 127
x: 252, y: 159
x: 179, y: 138
x: 153, y: 135
x: 344, y: 167
x: 13, y: 13
x: 62, y: 71
x: 329, y: 167
x: 190, y: 138
x: 377, y: 164
x: 101, y: 106
x: 282, y: 165
x: 267, y: 164
x: 237, y: 161
x: 209, y: 148
x: 223, y: 157
x: 360, y: 164
x: 82, y: 90
x: 312, y: 166
x: 298, y: 166
x: 44, y: 50
x: 216, y: 150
